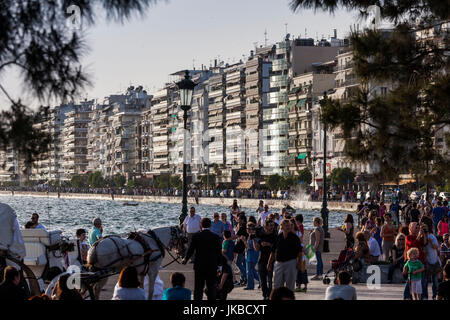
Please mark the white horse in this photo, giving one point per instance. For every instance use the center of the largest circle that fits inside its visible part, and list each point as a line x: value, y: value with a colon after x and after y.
x: 145, y: 251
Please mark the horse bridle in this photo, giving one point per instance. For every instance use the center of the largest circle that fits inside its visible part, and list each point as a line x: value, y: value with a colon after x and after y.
x: 175, y: 233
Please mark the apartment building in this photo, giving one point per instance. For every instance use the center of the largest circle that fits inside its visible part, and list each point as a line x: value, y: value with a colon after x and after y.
x: 159, y: 119
x: 235, y: 123
x: 199, y: 125
x: 9, y: 166
x: 114, y: 140
x: 292, y: 58
x: 257, y: 86
x: 146, y: 142
x: 73, y: 141
x: 305, y: 90
x: 215, y: 137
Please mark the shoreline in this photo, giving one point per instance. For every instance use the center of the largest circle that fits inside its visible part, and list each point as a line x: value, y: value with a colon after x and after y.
x: 296, y: 204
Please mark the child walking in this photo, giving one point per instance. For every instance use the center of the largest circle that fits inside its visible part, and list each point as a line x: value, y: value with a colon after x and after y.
x: 414, y: 268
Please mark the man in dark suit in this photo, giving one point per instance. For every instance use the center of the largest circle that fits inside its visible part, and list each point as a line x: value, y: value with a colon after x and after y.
x: 208, y: 251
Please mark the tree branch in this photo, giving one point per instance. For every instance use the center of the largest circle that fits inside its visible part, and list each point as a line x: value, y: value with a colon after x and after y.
x: 7, y: 95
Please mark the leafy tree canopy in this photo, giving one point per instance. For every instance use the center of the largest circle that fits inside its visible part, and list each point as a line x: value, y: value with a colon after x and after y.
x: 96, y: 180
x: 273, y: 182
x: 305, y: 175
x: 119, y: 180
x: 342, y: 176
x: 37, y: 40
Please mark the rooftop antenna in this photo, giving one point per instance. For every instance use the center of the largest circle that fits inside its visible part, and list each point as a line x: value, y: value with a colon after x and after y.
x: 265, y: 38
x: 193, y: 64
x: 285, y: 25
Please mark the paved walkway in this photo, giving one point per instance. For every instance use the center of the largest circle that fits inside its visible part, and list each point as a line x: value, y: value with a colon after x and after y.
x: 316, y: 289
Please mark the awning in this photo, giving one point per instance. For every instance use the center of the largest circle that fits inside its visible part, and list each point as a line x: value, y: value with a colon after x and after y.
x: 291, y: 104
x: 301, y: 102
x: 338, y: 93
x: 244, y: 185
x: 294, y: 90
x: 401, y: 182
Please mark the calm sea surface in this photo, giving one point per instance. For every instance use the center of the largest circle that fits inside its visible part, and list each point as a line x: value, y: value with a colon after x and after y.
x: 71, y: 214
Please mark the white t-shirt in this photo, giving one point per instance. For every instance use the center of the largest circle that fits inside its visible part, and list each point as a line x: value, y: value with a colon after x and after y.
x: 128, y: 293
x: 192, y: 224
x: 263, y: 216
x: 374, y: 247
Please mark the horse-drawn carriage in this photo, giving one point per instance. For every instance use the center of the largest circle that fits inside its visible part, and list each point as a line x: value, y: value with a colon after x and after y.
x: 42, y: 256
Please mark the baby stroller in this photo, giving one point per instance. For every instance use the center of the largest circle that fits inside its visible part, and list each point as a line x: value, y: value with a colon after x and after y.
x: 345, y: 262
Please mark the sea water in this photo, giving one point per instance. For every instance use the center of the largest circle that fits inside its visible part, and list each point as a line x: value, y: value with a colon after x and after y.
x: 68, y: 215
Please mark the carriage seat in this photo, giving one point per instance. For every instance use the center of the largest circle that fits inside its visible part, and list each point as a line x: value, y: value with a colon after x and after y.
x: 36, y: 242
x: 47, y: 238
x: 35, y: 254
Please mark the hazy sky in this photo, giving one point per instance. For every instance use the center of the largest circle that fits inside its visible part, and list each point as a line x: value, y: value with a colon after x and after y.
x: 173, y: 33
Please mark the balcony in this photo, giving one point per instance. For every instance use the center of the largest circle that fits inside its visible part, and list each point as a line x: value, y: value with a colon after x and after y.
x: 275, y: 114
x: 280, y: 50
x: 233, y: 102
x: 215, y: 93
x: 252, y: 92
x: 278, y: 97
x: 344, y: 66
x: 233, y: 89
x: 252, y: 77
x: 234, y: 115
x: 281, y: 64
x: 236, y: 74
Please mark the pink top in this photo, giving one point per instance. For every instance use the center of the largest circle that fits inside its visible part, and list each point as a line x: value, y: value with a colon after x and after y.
x: 444, y: 228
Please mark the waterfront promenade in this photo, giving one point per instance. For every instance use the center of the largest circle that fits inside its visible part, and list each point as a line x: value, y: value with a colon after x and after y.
x: 316, y: 289
x: 243, y: 202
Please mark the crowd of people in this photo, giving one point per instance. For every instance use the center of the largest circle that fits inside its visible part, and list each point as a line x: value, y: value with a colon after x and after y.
x: 270, y: 250
x: 412, y: 237
x: 267, y: 250
x: 220, y: 192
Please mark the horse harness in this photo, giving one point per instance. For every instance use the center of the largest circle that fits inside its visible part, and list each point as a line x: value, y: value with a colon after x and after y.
x: 138, y: 237
x: 147, y: 250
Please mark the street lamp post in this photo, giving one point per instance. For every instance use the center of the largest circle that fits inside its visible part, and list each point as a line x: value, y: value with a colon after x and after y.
x: 186, y: 87
x: 324, y: 211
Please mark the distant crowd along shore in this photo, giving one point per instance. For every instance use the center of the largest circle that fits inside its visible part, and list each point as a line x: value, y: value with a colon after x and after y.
x: 312, y: 195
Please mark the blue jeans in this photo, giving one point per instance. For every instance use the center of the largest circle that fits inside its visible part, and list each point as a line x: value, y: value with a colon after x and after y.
x: 434, y: 286
x: 251, y: 274
x: 319, y: 266
x: 240, y: 262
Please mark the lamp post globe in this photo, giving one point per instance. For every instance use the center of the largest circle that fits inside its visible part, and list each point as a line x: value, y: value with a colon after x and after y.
x: 186, y: 87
